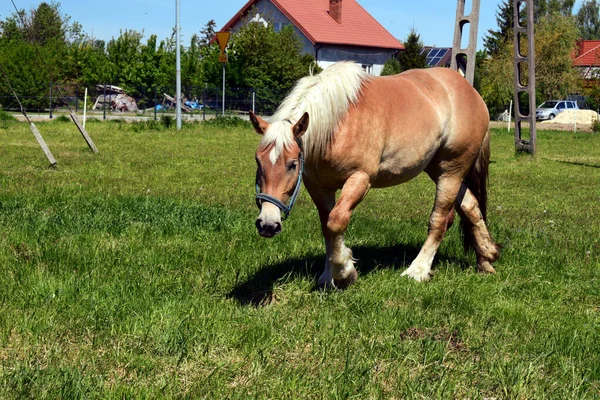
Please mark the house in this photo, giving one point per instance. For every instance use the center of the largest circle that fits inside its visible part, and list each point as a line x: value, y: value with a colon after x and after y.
x: 442, y: 57
x: 331, y: 30
x: 587, y: 59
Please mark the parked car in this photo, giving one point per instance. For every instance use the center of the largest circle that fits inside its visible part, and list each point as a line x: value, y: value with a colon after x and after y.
x: 550, y: 109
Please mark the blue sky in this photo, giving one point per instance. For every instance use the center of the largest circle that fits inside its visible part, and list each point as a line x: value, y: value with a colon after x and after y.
x: 433, y: 19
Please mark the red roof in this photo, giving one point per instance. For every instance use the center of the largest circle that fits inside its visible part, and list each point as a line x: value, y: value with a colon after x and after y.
x: 588, y: 53
x: 358, y: 27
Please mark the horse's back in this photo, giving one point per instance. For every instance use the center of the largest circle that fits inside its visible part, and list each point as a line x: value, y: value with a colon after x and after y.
x: 401, y: 122
x: 452, y: 94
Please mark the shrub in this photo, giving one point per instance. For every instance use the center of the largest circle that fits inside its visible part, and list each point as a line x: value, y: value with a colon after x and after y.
x: 4, y: 116
x: 149, y: 125
x: 227, y: 122
x: 62, y: 118
x: 596, y: 125
x: 167, y: 121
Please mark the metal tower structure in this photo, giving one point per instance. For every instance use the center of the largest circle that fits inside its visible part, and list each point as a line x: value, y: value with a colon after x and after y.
x: 470, y: 52
x: 524, y: 67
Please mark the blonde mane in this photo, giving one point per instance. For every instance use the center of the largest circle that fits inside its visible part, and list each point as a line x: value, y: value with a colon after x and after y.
x: 326, y: 97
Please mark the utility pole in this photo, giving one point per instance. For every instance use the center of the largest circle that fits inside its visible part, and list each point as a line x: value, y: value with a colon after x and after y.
x: 472, y: 20
x: 178, y: 68
x: 524, y: 87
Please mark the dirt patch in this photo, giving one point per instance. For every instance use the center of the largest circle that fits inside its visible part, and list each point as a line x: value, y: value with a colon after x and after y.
x: 546, y: 126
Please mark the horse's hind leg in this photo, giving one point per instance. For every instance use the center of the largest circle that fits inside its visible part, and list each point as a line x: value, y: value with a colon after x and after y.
x: 479, y: 237
x: 340, y: 272
x: 441, y: 217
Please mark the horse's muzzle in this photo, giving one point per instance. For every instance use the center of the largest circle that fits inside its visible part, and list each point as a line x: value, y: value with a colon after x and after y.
x: 267, y: 229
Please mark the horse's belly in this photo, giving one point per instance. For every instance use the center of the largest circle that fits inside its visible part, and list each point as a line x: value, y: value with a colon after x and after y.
x: 396, y: 166
x: 395, y: 175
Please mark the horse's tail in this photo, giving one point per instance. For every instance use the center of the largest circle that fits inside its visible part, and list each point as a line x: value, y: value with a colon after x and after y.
x: 476, y: 182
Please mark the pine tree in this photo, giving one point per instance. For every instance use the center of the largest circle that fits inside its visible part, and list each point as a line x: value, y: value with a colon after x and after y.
x: 495, y: 39
x: 207, y: 33
x: 588, y: 20
x: 412, y: 56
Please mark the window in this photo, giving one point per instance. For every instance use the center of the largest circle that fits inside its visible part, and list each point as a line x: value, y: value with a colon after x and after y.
x: 368, y: 68
x: 560, y: 105
x: 570, y: 104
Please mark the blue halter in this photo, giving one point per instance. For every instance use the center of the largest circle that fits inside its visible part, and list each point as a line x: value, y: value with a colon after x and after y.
x: 260, y: 197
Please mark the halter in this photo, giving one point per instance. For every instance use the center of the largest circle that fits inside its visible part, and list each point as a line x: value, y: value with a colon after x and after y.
x: 260, y: 197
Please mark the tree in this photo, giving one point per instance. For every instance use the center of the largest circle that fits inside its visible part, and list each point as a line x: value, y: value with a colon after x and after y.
x: 259, y: 58
x: 391, y: 67
x: 588, y: 20
x: 412, y: 56
x: 480, y: 58
x: 35, y: 47
x: 496, y: 79
x: 555, y: 39
x: 495, y: 39
x: 207, y: 33
x: 543, y: 8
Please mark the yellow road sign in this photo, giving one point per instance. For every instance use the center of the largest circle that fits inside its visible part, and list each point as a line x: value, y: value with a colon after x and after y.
x: 223, y: 58
x: 222, y: 39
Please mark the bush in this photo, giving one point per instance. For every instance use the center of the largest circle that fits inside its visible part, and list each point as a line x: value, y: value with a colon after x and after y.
x: 167, y: 121
x: 227, y: 122
x: 62, y: 118
x: 149, y: 125
x: 596, y: 125
x: 4, y: 116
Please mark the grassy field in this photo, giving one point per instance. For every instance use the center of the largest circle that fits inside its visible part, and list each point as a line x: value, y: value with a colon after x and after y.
x: 138, y: 273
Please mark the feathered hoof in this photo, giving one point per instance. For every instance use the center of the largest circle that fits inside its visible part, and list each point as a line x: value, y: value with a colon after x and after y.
x: 343, y: 284
x: 418, y: 274
x: 326, y: 282
x: 485, y: 267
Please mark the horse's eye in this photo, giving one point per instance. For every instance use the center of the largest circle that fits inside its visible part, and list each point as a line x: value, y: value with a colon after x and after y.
x: 292, y: 165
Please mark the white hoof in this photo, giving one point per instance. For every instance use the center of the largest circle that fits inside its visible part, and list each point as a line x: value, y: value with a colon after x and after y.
x: 418, y: 273
x: 339, y: 277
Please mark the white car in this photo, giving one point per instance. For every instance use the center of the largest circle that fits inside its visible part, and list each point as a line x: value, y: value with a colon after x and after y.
x: 550, y: 109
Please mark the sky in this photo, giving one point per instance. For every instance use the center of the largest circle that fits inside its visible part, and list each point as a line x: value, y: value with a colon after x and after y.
x: 433, y: 19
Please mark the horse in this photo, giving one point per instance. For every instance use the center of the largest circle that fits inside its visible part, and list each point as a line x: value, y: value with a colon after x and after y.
x: 346, y: 130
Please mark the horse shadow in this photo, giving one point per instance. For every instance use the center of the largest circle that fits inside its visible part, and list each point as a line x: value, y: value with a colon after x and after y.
x: 257, y: 290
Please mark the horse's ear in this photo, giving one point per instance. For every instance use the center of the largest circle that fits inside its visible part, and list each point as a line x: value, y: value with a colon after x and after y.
x: 301, y: 126
x: 259, y: 124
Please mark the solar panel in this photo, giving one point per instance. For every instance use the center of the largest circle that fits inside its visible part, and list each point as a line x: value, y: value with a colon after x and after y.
x: 435, y: 56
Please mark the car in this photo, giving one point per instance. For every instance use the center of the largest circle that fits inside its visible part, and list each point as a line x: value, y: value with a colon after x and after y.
x: 548, y: 110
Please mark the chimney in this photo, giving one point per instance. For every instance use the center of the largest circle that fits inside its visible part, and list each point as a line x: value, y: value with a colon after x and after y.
x: 335, y: 10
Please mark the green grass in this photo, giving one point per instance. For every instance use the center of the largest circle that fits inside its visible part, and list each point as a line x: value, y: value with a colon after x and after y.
x: 138, y: 273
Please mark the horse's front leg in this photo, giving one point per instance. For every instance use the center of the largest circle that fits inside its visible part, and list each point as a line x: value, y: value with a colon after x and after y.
x: 325, y: 201
x: 341, y: 272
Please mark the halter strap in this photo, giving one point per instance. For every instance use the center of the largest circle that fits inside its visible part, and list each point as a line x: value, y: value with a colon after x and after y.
x: 260, y: 197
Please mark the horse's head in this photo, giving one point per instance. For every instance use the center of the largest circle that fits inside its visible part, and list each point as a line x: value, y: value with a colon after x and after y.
x: 279, y: 162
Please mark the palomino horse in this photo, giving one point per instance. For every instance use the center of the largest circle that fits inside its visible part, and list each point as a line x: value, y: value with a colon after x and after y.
x: 343, y: 129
